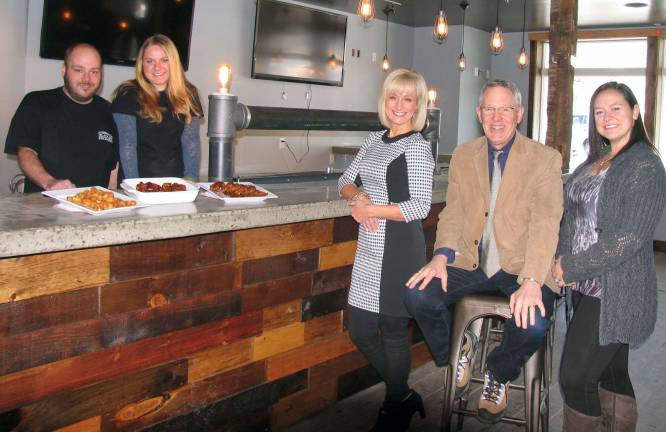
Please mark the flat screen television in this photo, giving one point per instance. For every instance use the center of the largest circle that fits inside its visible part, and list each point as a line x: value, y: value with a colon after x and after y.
x: 298, y: 43
x: 116, y: 27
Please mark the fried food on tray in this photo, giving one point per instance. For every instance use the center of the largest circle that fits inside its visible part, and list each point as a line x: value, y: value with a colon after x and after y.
x: 237, y: 190
x: 165, y: 187
x: 97, y: 199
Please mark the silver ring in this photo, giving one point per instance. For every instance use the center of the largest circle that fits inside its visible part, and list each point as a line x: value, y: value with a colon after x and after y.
x: 558, y: 280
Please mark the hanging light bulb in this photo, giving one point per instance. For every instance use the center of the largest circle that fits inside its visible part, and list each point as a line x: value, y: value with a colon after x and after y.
x: 366, y: 10
x: 441, y: 28
x: 522, y: 56
x: 386, y: 65
x: 432, y: 96
x: 522, y: 59
x: 496, y: 37
x: 462, y: 60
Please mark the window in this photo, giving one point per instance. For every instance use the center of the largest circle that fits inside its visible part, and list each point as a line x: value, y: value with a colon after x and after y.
x: 596, y: 62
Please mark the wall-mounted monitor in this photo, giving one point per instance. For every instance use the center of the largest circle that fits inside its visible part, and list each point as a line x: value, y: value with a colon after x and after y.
x: 298, y: 43
x: 116, y: 27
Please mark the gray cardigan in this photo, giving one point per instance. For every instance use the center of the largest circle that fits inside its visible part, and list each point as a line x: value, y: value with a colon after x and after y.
x: 630, y: 204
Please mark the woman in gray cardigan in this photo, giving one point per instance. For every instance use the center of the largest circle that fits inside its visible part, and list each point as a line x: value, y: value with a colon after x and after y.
x: 613, y: 203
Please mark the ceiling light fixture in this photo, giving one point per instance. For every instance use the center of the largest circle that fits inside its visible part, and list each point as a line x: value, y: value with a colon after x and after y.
x: 386, y: 65
x: 496, y: 37
x: 523, y: 60
x: 366, y: 10
x: 462, y: 60
x: 441, y: 29
x: 636, y: 4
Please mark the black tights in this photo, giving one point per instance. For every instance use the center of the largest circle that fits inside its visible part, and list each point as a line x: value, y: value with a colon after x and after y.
x: 383, y: 341
x: 586, y: 365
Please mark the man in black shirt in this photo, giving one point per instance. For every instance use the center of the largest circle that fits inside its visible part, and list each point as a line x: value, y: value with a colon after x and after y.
x: 66, y: 137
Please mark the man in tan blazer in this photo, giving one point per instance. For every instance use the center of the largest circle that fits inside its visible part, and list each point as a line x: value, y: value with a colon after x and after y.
x: 497, y: 233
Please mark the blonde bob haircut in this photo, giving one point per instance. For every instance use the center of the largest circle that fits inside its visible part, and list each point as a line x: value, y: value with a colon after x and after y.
x: 400, y: 80
x: 182, y: 94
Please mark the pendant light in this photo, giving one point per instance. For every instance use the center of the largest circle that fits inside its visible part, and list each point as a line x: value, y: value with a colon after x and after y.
x: 366, y: 10
x: 441, y: 29
x: 496, y: 37
x: 462, y: 60
x: 523, y: 60
x: 386, y: 65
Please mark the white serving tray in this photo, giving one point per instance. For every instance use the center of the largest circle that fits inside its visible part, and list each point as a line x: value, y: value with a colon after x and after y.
x: 62, y: 194
x: 221, y: 196
x: 188, y: 195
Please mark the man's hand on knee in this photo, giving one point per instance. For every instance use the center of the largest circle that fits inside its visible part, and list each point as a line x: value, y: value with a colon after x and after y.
x: 524, y: 303
x: 435, y: 268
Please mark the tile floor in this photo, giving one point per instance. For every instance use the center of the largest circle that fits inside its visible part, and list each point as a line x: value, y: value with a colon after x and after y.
x: 647, y: 368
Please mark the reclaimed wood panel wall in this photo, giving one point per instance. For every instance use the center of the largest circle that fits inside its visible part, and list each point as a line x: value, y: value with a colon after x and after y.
x: 237, y: 331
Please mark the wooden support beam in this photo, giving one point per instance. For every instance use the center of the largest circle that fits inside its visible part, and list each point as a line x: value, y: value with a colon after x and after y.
x: 563, y: 26
x: 652, y: 69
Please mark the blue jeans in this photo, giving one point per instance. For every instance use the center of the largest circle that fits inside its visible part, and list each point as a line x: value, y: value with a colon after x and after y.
x: 432, y: 309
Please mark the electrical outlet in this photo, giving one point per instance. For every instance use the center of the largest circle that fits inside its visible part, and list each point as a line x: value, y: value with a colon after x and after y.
x: 282, y: 143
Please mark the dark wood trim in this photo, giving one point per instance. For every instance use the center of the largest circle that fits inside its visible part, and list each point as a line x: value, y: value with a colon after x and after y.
x: 659, y: 245
x: 607, y: 34
x: 652, y: 69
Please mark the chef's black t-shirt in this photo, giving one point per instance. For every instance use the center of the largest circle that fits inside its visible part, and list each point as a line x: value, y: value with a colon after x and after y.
x: 73, y: 141
x: 158, y: 149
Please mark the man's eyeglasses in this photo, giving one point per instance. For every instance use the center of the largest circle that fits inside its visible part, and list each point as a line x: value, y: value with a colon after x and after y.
x: 504, y: 111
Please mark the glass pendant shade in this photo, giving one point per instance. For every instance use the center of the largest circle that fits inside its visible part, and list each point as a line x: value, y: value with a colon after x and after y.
x: 441, y: 29
x: 385, y: 64
x: 496, y: 41
x: 522, y: 59
x: 462, y: 62
x: 366, y: 10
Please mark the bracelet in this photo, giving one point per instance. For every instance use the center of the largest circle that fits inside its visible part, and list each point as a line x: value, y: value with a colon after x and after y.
x: 358, y: 196
x: 530, y: 279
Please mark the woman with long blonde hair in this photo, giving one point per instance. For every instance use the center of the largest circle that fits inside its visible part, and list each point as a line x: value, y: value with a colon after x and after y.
x: 158, y: 114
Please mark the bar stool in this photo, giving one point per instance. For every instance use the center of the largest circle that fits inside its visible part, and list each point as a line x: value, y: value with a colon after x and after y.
x: 536, y: 371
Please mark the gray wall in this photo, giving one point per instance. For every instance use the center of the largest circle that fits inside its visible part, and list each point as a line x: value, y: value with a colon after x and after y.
x: 13, y: 16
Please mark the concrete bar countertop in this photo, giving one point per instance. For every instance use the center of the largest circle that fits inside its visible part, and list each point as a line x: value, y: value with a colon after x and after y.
x: 31, y: 223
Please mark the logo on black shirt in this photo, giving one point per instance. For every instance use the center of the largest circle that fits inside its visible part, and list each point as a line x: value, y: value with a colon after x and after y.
x: 102, y: 135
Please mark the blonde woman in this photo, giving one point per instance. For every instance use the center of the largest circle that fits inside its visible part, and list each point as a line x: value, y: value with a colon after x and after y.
x: 395, y: 168
x: 157, y: 115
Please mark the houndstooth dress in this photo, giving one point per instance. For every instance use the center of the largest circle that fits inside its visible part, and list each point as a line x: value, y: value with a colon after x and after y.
x: 399, y: 171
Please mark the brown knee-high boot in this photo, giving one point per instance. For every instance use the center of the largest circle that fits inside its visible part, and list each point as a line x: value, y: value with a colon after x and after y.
x: 574, y: 421
x: 618, y: 412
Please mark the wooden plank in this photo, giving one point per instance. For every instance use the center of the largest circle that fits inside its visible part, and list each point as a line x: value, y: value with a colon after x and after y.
x: 93, y: 424
x: 36, y: 275
x: 357, y: 380
x: 30, y: 385
x: 204, y: 364
x: 420, y: 354
x: 103, y: 398
x: 282, y: 314
x: 334, y: 279
x: 47, y: 345
x: 275, y: 267
x: 146, y: 323
x: 302, y: 358
x: 136, y: 260
x: 293, y: 408
x: 344, y: 229
x: 131, y: 295
x: 283, y: 239
x: 323, y: 304
x: 337, y: 255
x: 323, y: 326
x: 279, y: 340
x: 652, y: 71
x: 275, y: 292
x: 48, y: 311
x: 185, y: 399
x: 341, y: 365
